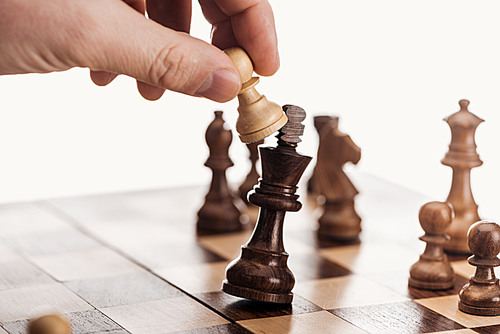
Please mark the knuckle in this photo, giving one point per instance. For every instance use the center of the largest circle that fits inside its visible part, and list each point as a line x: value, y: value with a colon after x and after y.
x: 172, y: 69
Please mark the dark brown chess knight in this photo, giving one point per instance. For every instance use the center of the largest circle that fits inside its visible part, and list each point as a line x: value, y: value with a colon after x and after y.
x: 261, y: 273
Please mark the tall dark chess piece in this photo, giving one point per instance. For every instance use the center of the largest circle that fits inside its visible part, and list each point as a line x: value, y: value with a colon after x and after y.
x: 433, y: 270
x: 319, y: 122
x: 252, y: 176
x: 261, y: 273
x: 481, y: 296
x: 339, y: 220
x: 219, y: 213
x: 462, y: 157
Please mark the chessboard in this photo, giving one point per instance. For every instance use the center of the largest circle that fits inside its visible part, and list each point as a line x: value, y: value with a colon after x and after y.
x: 132, y: 263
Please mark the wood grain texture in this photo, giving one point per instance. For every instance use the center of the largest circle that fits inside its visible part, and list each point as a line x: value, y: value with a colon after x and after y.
x: 393, y: 318
x: 258, y: 117
x: 462, y: 157
x: 317, y: 322
x: 241, y: 309
x: 261, y: 273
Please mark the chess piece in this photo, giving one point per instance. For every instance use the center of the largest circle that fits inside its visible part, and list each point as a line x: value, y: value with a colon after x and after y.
x: 261, y: 273
x: 252, y: 176
x: 219, y: 213
x: 258, y: 117
x: 462, y: 157
x: 319, y: 122
x: 481, y: 296
x: 433, y: 270
x: 339, y: 220
x: 49, y: 324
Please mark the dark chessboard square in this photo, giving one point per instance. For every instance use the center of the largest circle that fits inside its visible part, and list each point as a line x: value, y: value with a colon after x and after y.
x: 157, y: 256
x: 242, y: 309
x: 313, y: 266
x: 397, y: 318
x: 398, y: 281
x: 495, y: 329
x: 124, y: 289
x: 221, y: 329
x: 311, y: 237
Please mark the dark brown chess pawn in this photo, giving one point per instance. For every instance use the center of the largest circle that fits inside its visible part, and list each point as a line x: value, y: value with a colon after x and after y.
x: 219, y: 213
x: 433, y: 270
x: 261, y: 273
x: 252, y: 176
x: 339, y: 220
x: 462, y: 157
x: 319, y: 122
x: 481, y: 296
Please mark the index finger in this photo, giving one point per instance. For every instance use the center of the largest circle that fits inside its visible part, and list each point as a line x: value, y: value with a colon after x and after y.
x: 253, y: 26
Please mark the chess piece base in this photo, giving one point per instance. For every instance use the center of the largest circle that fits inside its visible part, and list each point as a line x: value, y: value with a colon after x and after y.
x: 414, y: 283
x: 265, y: 132
x: 340, y: 221
x: 248, y: 293
x: 491, y: 311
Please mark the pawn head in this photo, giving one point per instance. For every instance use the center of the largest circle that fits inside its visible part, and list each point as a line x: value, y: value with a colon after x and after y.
x: 242, y: 62
x: 484, y: 239
x: 49, y: 324
x: 435, y: 217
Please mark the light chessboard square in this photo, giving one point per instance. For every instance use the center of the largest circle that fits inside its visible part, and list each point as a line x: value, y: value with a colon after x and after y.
x: 199, y: 278
x: 163, y: 316
x: 316, y: 322
x: 84, y: 264
x: 346, y: 291
x: 22, y: 303
x: 448, y: 306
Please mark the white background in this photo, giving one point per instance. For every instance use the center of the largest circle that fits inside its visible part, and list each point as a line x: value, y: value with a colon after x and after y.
x: 390, y: 69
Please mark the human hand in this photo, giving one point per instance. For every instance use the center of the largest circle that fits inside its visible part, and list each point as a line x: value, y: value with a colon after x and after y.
x: 110, y: 37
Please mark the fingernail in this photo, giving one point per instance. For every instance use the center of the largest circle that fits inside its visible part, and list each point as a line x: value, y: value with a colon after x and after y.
x: 220, y: 85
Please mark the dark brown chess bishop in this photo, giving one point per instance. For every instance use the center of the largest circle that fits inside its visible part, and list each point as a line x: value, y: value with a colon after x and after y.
x: 261, y: 273
x: 219, y: 213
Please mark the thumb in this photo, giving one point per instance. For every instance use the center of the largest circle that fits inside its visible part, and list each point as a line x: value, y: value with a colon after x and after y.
x: 123, y: 41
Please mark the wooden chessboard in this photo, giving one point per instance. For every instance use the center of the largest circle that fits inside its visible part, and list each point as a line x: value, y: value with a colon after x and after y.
x: 131, y: 263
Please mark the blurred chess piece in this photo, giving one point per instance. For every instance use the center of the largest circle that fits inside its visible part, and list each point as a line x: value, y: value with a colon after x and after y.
x: 49, y: 324
x: 433, y: 270
x: 481, y: 296
x: 261, y: 272
x: 252, y: 177
x: 319, y: 122
x: 219, y: 213
x: 462, y: 157
x: 339, y: 220
x: 258, y: 117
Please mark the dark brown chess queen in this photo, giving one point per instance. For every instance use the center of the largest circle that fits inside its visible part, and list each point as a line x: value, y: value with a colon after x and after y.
x: 462, y: 157
x: 219, y: 213
x: 261, y: 273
